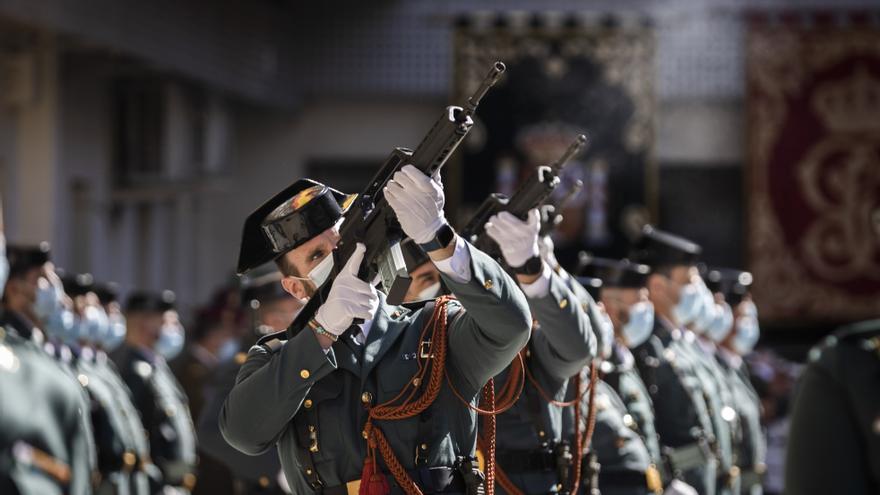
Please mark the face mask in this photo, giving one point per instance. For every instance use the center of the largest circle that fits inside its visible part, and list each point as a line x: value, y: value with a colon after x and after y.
x: 640, y: 324
x: 429, y: 292
x: 116, y: 332
x: 170, y: 341
x: 708, y: 310
x: 605, y: 334
x: 227, y: 350
x: 61, y: 324
x: 4, y: 265
x: 688, y: 306
x: 318, y: 275
x: 721, y: 324
x: 97, y: 324
x: 748, y: 308
x: 747, y: 333
x: 47, y: 300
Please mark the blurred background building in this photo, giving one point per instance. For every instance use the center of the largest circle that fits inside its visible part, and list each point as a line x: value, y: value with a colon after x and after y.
x: 136, y: 136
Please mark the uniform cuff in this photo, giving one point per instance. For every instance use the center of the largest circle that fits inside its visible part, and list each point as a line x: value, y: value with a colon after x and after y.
x: 540, y: 287
x: 458, y: 266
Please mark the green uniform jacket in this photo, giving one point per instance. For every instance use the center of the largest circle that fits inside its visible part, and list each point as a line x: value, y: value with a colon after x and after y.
x: 750, y: 445
x: 254, y: 472
x: 719, y: 399
x: 562, y: 344
x: 120, y: 447
x: 834, y: 436
x: 43, y: 423
x: 621, y: 453
x: 680, y: 411
x: 621, y: 374
x: 164, y: 414
x: 268, y: 403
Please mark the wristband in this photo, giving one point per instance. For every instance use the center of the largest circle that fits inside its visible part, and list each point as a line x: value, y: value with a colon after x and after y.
x: 532, y: 266
x: 441, y: 239
x: 314, y: 325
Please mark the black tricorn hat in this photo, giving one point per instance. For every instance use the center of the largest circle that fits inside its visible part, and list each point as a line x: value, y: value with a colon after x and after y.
x: 592, y: 285
x: 614, y: 273
x: 657, y: 248
x: 733, y: 284
x: 150, y: 302
x: 22, y: 258
x: 78, y: 285
x: 262, y: 285
x: 293, y: 216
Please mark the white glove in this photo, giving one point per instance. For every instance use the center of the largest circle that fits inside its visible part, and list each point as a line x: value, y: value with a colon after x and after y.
x: 417, y: 200
x: 678, y: 487
x: 518, y: 240
x: 349, y: 297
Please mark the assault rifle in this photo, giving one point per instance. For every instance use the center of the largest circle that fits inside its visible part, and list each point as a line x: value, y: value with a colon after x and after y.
x: 371, y: 221
x: 531, y: 194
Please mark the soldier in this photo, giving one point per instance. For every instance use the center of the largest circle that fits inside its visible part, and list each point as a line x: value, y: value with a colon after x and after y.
x: 273, y: 310
x: 731, y: 291
x: 19, y: 299
x: 532, y: 448
x: 681, y: 414
x: 155, y: 392
x: 625, y: 298
x: 719, y: 396
x: 330, y: 393
x: 122, y: 453
x: 426, y: 283
x: 44, y: 444
x: 625, y: 466
x: 835, y: 422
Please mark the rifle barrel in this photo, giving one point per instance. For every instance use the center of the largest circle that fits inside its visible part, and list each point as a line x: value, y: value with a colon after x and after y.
x: 573, y: 149
x: 494, y: 74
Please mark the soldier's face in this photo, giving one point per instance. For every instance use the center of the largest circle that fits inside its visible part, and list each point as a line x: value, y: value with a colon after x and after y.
x: 423, y: 277
x: 617, y: 302
x: 21, y: 291
x: 306, y: 257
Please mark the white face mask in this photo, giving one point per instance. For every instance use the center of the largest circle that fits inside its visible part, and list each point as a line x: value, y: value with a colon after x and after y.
x: 116, y: 333
x: 688, y: 306
x: 429, y: 292
x: 47, y: 300
x: 640, y: 324
x: 171, y: 340
x: 98, y: 325
x: 708, y: 311
x: 721, y: 324
x: 747, y: 334
x: 318, y: 275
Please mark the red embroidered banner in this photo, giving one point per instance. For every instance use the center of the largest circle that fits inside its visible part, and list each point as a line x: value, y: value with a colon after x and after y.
x: 814, y: 167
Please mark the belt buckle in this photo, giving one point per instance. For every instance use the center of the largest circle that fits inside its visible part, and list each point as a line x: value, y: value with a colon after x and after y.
x: 353, y: 487
x: 425, y: 350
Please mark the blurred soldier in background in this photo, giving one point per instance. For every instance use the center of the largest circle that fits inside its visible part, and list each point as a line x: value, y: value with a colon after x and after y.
x: 45, y: 444
x: 153, y: 335
x: 682, y: 416
x: 738, y: 316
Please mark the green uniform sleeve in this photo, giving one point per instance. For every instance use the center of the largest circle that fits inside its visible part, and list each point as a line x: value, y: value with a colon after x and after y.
x: 269, y: 390
x: 495, y: 325
x: 563, y: 339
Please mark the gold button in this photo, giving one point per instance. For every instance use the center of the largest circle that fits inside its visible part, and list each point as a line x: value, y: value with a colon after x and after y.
x: 424, y: 446
x: 264, y: 481
x: 128, y: 459
x: 189, y: 481
x: 83, y: 380
x: 541, y: 434
x: 304, y: 374
x: 488, y: 284
x: 309, y: 472
x: 416, y: 382
x: 563, y: 304
x: 311, y: 427
x: 307, y: 403
x: 240, y: 358
x: 366, y: 397
x: 364, y: 433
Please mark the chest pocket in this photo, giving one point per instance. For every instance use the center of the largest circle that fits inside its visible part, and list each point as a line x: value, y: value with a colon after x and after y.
x: 401, y: 364
x: 311, y: 434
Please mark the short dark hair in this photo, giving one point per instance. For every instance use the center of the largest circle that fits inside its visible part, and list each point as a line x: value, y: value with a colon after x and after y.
x: 286, y: 267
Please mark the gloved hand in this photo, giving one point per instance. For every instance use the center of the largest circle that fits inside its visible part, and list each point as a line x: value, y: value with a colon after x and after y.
x: 517, y: 239
x: 417, y: 200
x: 349, y: 297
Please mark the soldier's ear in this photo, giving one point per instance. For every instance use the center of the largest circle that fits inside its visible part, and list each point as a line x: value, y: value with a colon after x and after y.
x: 294, y: 287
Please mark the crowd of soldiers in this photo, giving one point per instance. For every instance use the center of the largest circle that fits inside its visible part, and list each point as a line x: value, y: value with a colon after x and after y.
x: 507, y: 374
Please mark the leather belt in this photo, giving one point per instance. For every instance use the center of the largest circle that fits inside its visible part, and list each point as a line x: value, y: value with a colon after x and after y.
x: 689, y: 456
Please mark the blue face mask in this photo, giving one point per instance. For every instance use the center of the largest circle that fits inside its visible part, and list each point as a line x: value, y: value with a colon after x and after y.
x: 170, y: 343
x: 688, y: 306
x: 47, y: 300
x: 708, y: 311
x: 721, y: 324
x: 96, y: 324
x: 61, y: 324
x: 746, y: 336
x: 115, y: 333
x: 640, y: 324
x: 4, y: 265
x: 605, y: 333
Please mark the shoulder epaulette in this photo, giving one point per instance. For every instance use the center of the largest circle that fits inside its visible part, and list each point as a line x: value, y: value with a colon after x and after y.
x: 273, y: 342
